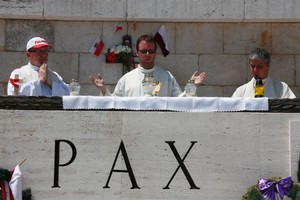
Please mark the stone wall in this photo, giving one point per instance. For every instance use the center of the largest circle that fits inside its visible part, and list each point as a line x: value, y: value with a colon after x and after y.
x: 211, y: 36
x: 229, y: 153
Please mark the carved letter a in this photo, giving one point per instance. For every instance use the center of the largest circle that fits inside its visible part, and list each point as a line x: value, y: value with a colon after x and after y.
x: 128, y: 166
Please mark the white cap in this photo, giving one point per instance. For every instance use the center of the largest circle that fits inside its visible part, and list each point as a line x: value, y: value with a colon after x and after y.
x: 36, y: 42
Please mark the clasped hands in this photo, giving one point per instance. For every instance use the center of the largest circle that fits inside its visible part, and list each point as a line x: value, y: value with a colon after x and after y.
x: 43, y: 75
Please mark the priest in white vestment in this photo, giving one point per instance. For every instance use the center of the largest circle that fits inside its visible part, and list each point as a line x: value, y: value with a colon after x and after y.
x: 35, y: 78
x: 259, y: 62
x: 130, y: 85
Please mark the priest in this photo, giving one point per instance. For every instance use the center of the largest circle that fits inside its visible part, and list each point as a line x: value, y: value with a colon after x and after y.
x: 259, y: 62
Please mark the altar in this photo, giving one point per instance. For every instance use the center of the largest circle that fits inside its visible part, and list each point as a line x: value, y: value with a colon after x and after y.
x: 102, y: 151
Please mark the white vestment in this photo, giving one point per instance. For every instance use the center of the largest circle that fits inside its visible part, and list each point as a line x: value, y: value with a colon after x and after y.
x: 130, y: 85
x: 31, y: 86
x: 273, y: 89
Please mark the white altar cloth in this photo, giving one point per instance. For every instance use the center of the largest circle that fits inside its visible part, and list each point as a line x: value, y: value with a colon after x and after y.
x: 180, y: 104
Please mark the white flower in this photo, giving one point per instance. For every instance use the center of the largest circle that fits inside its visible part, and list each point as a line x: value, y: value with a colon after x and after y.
x: 120, y: 48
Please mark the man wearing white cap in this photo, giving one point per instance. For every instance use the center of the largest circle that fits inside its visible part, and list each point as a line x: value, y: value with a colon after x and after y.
x: 35, y: 78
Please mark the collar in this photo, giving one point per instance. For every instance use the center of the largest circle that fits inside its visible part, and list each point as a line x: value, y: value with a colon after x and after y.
x: 263, y: 80
x: 35, y: 68
x: 146, y: 71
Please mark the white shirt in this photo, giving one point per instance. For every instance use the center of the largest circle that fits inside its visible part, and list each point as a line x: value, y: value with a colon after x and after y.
x: 31, y: 86
x: 273, y: 89
x: 130, y: 85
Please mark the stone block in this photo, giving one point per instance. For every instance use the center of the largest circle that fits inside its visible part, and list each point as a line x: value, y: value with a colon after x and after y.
x: 285, y: 38
x: 296, y: 91
x: 18, y: 9
x: 295, y: 147
x: 153, y: 10
x: 297, y: 70
x: 3, y: 90
x: 2, y: 34
x: 188, y: 10
x: 93, y: 65
x: 10, y: 61
x: 268, y: 138
x: 76, y: 36
x: 18, y: 32
x: 229, y: 90
x: 198, y: 38
x: 230, y: 153
x: 181, y: 66
x: 283, y: 68
x: 210, y: 91
x: 272, y: 10
x: 85, y: 10
x: 224, y: 70
x: 65, y: 64
x: 242, y: 38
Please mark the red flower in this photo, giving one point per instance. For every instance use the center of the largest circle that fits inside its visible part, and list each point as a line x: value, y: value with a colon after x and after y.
x: 111, y: 57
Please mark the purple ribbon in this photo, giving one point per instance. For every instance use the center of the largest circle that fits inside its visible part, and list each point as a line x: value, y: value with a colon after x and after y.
x: 268, y: 187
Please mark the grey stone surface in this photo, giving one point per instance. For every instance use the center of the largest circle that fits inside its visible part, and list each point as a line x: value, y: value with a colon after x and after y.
x: 285, y: 38
x: 181, y: 66
x: 32, y: 9
x: 153, y: 10
x: 9, y: 62
x: 210, y: 91
x: 188, y: 10
x: 283, y: 68
x: 18, y: 32
x: 294, y: 140
x: 76, y: 36
x: 2, y: 34
x: 229, y: 90
x: 242, y: 38
x: 297, y: 76
x: 65, y: 64
x: 85, y: 9
x: 229, y: 149
x: 200, y: 38
x: 3, y: 89
x: 224, y: 69
x: 93, y: 65
x: 272, y: 10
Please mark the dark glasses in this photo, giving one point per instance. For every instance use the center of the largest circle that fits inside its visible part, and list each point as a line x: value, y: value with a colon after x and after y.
x: 39, y: 51
x: 150, y: 51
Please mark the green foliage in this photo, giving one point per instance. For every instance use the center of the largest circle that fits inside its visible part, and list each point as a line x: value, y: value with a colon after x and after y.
x: 253, y: 192
x: 26, y: 194
x: 4, y: 174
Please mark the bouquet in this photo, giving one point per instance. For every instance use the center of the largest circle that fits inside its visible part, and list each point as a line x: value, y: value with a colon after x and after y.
x: 120, y: 54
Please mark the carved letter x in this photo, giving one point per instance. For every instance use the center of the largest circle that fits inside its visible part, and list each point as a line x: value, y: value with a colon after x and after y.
x: 181, y: 165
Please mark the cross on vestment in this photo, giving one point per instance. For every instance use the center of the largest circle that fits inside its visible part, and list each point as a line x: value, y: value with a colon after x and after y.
x: 15, y: 82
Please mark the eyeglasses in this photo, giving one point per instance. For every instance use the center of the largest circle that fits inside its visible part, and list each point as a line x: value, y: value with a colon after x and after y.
x: 150, y: 51
x: 258, y: 67
x: 39, y: 51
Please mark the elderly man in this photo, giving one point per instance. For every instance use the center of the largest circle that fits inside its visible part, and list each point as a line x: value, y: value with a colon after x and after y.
x: 259, y: 62
x: 130, y: 85
x: 35, y: 78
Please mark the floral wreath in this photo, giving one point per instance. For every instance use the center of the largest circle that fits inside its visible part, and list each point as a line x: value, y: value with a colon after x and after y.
x: 272, y: 187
